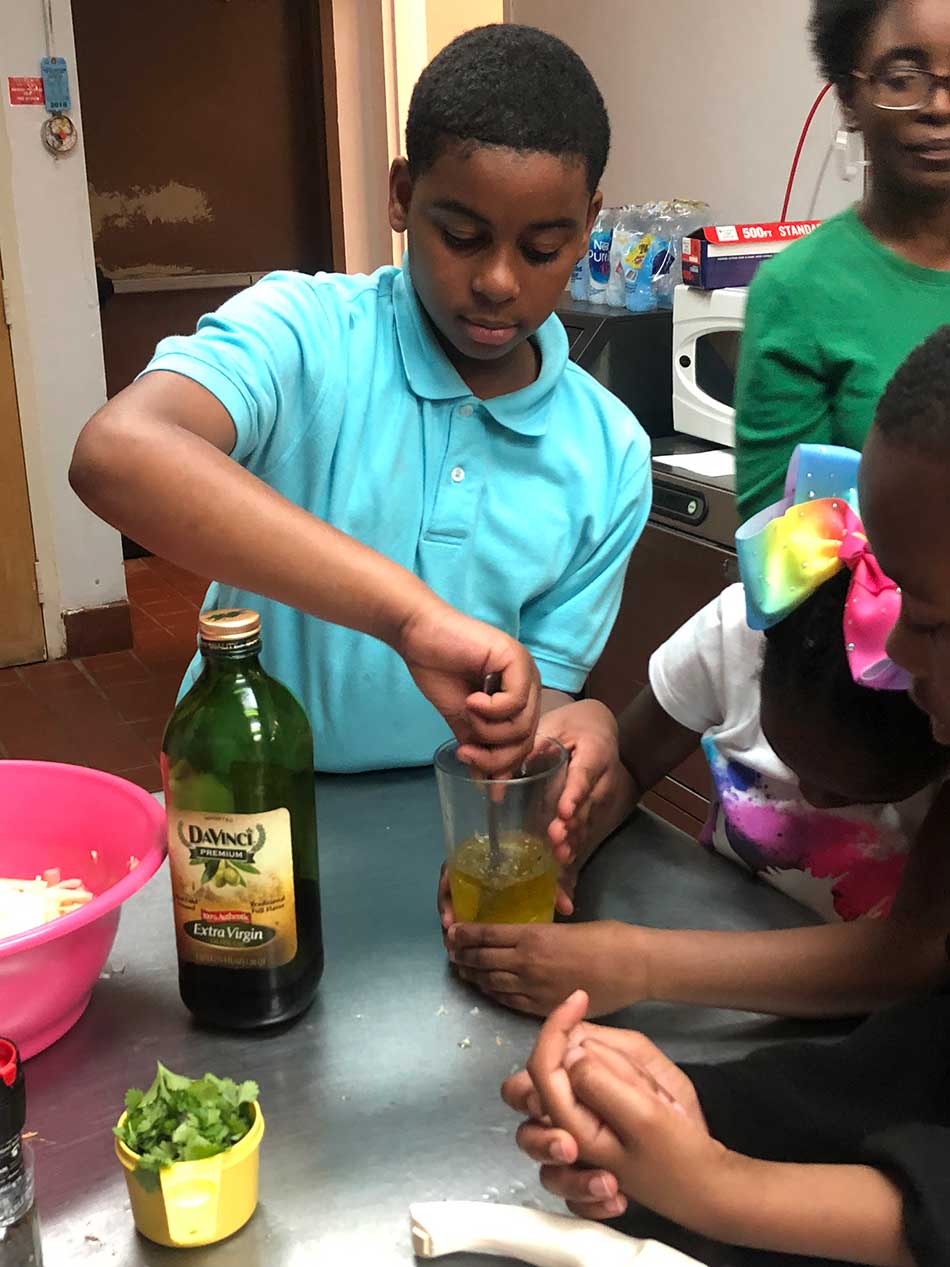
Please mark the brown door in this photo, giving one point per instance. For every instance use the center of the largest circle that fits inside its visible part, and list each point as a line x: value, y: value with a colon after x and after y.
x: 21, y: 619
x: 206, y: 156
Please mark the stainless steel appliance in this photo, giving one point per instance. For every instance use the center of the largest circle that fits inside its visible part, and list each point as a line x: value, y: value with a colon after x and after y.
x: 684, y: 558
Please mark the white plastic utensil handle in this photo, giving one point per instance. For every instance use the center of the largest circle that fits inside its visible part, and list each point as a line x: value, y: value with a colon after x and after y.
x: 545, y: 1240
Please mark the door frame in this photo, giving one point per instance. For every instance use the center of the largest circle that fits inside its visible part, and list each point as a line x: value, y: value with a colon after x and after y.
x: 24, y: 371
x: 23, y: 641
x: 331, y: 130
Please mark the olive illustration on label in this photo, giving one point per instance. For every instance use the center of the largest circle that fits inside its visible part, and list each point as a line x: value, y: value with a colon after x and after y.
x: 241, y: 847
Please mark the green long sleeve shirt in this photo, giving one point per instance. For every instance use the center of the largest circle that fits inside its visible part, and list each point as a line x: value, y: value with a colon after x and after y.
x: 829, y: 320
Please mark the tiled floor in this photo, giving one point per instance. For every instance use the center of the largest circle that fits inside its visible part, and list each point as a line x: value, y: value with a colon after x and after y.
x: 109, y: 711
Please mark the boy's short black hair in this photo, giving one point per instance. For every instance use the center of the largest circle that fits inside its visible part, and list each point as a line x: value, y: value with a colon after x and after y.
x: 511, y: 86
x: 839, y: 32
x: 806, y: 660
x: 915, y: 408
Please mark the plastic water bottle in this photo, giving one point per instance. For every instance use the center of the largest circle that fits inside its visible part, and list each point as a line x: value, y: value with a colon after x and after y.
x: 599, y: 256
x: 580, y: 278
x: 681, y: 217
x: 638, y: 273
x: 626, y: 233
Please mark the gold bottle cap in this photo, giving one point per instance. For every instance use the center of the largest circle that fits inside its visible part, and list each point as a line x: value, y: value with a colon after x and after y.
x: 229, y: 624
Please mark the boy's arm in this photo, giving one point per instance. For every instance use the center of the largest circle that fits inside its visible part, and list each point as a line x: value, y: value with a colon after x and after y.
x: 612, y: 764
x: 153, y: 462
x: 598, y: 793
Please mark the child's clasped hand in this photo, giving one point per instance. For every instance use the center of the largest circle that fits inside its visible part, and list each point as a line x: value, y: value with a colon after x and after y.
x: 610, y: 1118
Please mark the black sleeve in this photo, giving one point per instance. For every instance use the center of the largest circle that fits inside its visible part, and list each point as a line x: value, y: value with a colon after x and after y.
x: 785, y: 1103
x: 819, y: 1102
x: 916, y: 1157
x: 880, y: 1097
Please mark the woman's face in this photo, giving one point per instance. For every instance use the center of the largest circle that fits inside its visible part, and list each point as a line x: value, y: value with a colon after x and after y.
x: 909, y: 150
x: 906, y: 511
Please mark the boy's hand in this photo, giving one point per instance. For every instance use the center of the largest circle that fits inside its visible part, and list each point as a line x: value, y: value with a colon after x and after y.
x: 532, y: 967
x: 447, y: 654
x: 611, y: 1117
x: 588, y: 730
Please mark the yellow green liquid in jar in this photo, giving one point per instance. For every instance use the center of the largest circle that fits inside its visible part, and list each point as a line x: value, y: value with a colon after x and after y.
x: 520, y: 890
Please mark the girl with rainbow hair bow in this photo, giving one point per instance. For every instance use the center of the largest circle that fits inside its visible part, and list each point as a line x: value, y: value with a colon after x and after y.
x: 822, y: 785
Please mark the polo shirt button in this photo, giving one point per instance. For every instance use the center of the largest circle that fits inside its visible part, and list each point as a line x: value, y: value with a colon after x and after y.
x: 457, y: 475
x: 465, y: 411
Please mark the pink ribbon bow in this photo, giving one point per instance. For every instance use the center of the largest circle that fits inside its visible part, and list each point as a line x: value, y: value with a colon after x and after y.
x: 871, y: 611
x: 788, y: 550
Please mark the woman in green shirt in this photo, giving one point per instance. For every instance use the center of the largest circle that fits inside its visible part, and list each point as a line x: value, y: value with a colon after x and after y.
x: 831, y: 318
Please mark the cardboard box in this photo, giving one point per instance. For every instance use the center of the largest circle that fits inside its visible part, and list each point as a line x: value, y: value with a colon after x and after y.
x: 729, y: 254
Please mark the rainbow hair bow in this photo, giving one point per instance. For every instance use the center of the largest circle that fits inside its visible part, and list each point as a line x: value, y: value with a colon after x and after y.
x: 789, y: 549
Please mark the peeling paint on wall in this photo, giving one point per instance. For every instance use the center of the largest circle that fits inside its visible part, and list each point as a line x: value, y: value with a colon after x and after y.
x: 118, y: 273
x: 173, y: 203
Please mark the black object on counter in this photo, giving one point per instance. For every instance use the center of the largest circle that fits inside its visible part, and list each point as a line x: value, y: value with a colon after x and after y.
x: 629, y: 353
x: 19, y: 1224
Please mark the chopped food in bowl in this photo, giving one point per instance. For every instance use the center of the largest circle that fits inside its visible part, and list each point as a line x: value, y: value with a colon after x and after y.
x: 95, y: 829
x: 26, y: 904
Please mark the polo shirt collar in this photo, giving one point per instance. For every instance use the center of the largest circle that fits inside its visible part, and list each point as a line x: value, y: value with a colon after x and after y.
x: 432, y: 376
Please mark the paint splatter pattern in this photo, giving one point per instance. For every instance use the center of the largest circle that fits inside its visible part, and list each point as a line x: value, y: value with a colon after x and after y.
x: 839, y: 862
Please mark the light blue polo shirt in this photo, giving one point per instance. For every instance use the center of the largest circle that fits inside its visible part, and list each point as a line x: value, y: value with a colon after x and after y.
x: 521, y: 511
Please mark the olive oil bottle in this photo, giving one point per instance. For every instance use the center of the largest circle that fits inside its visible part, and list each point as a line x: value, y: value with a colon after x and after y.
x: 237, y: 764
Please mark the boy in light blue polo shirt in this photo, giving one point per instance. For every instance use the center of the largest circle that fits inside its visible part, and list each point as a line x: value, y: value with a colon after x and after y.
x: 404, y: 472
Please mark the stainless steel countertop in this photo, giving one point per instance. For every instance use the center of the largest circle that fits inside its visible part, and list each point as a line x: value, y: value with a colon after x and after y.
x: 370, y: 1101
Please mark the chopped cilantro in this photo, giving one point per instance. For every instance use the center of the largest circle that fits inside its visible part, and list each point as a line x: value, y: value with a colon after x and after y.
x: 185, y: 1119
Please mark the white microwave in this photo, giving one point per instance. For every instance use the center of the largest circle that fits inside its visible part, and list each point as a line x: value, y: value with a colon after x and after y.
x: 707, y: 329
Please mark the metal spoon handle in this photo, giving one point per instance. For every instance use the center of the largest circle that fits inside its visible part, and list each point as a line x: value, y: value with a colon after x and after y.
x: 491, y: 685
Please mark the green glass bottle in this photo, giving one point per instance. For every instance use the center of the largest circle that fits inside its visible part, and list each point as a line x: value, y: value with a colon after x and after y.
x: 237, y: 763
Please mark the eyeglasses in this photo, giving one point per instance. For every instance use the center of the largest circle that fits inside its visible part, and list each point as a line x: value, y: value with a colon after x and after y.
x: 909, y: 89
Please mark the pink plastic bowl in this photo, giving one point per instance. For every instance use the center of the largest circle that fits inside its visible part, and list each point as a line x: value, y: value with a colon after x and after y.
x: 89, y: 825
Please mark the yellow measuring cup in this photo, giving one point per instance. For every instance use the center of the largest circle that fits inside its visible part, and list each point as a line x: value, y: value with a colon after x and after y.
x: 197, y: 1202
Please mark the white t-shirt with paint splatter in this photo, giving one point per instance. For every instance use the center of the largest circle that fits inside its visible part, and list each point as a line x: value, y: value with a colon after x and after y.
x: 842, y: 863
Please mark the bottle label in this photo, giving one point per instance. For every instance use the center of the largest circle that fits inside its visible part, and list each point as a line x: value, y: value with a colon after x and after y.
x: 12, y: 1168
x: 233, y: 888
x: 599, y: 256
x: 635, y: 258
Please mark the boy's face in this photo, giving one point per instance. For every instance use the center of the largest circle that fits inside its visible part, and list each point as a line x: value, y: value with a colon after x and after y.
x: 904, y: 503
x: 493, y: 236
